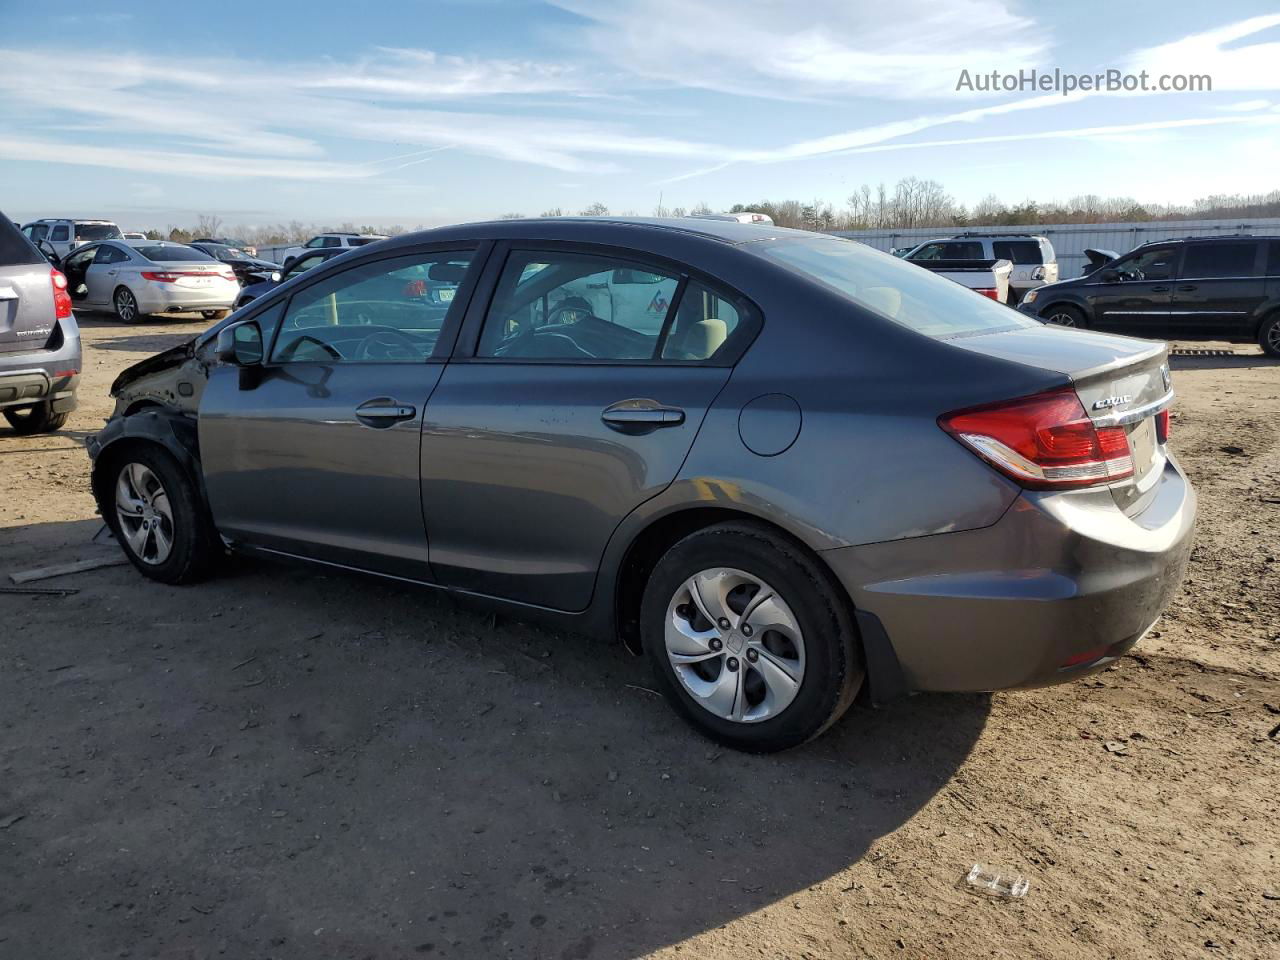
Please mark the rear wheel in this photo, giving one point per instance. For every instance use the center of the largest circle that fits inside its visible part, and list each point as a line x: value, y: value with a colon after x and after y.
x: 1269, y: 335
x: 749, y: 638
x: 157, y: 517
x: 1064, y: 316
x: 38, y: 418
x: 126, y: 305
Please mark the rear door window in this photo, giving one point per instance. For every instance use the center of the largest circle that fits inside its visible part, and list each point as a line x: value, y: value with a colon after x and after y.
x: 1273, y: 260
x: 60, y: 232
x: 1206, y: 261
x: 1017, y: 251
x: 109, y: 254
x: 574, y: 306
x: 703, y: 324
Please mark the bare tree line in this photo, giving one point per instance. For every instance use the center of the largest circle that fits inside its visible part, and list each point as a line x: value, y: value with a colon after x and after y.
x: 912, y: 202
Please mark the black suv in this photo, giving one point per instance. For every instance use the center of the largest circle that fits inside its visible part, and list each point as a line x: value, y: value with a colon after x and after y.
x: 1212, y: 288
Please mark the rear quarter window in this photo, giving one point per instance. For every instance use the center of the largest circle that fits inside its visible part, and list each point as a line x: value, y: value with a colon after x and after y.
x: 1209, y: 260
x: 14, y: 247
x: 895, y: 289
x: 1017, y: 251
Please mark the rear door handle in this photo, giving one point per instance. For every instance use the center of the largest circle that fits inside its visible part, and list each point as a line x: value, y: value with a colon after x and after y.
x: 641, y: 415
x: 384, y: 411
x: 1188, y: 286
x: 1159, y: 289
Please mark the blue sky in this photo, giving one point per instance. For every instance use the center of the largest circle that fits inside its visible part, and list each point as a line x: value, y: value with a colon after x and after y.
x: 425, y: 113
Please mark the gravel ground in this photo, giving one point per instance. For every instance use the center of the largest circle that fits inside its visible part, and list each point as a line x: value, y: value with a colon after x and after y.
x: 285, y: 763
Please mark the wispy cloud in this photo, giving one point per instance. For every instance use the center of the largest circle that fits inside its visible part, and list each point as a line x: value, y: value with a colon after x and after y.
x: 785, y: 50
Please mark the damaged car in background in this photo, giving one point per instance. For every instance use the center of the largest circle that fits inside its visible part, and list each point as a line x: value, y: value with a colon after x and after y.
x: 787, y: 469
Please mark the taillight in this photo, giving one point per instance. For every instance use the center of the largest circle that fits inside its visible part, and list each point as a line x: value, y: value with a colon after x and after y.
x: 1162, y: 426
x: 991, y: 292
x: 165, y: 276
x: 61, y: 298
x: 1045, y: 441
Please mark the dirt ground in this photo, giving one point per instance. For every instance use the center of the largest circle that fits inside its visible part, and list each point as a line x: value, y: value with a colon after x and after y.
x: 285, y: 762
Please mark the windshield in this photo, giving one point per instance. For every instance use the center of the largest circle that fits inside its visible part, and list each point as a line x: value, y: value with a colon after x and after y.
x: 171, y: 252
x: 98, y: 231
x: 897, y: 289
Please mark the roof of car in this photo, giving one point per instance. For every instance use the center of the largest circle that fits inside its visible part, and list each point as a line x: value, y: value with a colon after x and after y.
x: 589, y: 228
x: 1211, y: 239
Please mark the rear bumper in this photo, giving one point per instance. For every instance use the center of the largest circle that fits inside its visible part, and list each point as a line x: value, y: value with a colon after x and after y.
x: 1059, y: 586
x: 155, y: 298
x: 43, y: 375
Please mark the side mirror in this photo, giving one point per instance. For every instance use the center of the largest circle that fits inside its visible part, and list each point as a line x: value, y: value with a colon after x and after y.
x: 240, y: 344
x: 1110, y: 276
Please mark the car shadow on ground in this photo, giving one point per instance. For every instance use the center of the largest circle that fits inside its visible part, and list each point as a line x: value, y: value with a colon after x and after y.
x: 1235, y: 361
x: 294, y: 761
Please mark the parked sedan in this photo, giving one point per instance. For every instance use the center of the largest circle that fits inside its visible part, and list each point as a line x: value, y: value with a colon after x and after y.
x: 786, y: 468
x: 137, y: 279
x: 247, y: 269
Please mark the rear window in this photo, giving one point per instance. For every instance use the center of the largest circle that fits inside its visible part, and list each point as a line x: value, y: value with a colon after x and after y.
x: 1017, y: 251
x: 1205, y: 260
x: 98, y: 231
x: 169, y: 254
x: 896, y: 289
x: 14, y: 247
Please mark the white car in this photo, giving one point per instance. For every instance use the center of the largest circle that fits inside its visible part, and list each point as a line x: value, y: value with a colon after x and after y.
x: 134, y: 235
x: 326, y: 241
x: 760, y: 219
x: 1034, y: 261
x: 136, y: 279
x: 60, y: 237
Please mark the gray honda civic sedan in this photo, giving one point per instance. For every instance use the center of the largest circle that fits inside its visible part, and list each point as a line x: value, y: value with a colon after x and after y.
x: 785, y: 468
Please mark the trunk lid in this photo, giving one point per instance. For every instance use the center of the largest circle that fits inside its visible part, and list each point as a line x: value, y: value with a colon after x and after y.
x: 1121, y: 381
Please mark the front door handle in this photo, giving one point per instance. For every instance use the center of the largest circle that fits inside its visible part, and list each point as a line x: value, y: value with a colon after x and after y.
x: 384, y: 411
x: 641, y: 415
x: 1189, y: 286
x: 1160, y: 289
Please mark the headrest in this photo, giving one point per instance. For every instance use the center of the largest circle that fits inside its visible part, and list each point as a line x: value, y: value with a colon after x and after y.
x: 447, y: 272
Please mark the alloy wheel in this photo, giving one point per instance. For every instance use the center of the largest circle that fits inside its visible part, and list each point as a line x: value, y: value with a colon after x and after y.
x: 146, y: 517
x: 1063, y: 319
x: 126, y: 305
x: 1273, y: 339
x: 735, y: 645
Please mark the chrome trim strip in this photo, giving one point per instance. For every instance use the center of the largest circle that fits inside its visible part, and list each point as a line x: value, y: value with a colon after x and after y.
x: 1120, y: 419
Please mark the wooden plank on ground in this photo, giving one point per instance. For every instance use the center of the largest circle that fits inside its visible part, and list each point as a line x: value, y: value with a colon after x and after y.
x: 62, y: 569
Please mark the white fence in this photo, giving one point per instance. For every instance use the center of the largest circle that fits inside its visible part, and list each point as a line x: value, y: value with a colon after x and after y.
x: 1070, y: 240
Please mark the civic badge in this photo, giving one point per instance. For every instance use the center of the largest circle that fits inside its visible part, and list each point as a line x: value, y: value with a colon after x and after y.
x: 1107, y: 403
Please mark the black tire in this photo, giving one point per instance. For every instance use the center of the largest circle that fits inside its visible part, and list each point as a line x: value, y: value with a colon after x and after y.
x: 1269, y: 335
x: 126, y: 305
x: 214, y: 314
x: 1064, y: 316
x: 195, y: 545
x: 38, y: 418
x: 833, y: 670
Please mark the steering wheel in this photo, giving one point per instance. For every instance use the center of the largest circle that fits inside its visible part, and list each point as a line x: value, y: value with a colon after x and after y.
x: 391, y: 339
x: 288, y: 352
x: 577, y: 306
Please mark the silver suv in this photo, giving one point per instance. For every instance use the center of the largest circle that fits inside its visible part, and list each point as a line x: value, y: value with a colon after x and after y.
x: 60, y: 237
x: 1033, y: 258
x: 39, y: 339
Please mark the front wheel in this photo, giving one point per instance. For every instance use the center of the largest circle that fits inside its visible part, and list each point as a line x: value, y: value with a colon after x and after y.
x: 1065, y: 317
x: 157, y: 517
x: 126, y: 305
x: 37, y: 418
x: 749, y: 638
x: 1269, y: 335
